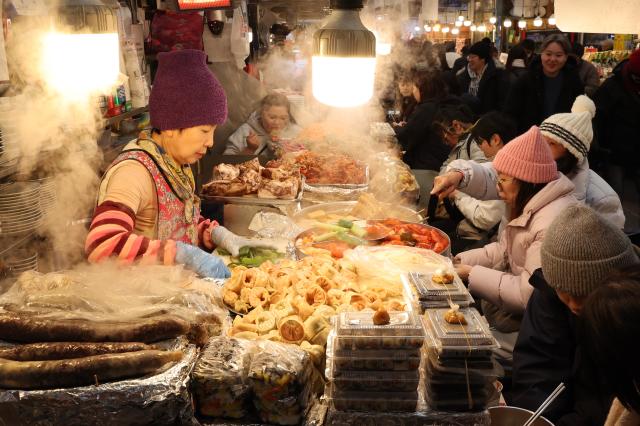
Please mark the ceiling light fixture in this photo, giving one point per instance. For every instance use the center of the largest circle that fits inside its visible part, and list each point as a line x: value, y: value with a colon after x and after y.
x: 467, y: 23
x: 482, y: 28
x: 455, y: 31
x: 537, y: 22
x: 344, y: 57
x: 552, y: 19
x: 473, y: 27
x: 507, y: 23
x: 522, y: 24
x: 493, y: 20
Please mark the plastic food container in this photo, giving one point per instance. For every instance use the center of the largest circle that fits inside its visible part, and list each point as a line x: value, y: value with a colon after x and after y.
x: 372, y: 401
x: 376, y: 360
x: 428, y: 290
x: 375, y: 381
x: 472, y: 334
x: 355, y: 330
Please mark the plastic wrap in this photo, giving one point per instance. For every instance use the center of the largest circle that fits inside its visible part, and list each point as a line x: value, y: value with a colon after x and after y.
x: 284, y: 382
x: 356, y: 331
x: 220, y: 381
x: 160, y: 399
x: 135, y: 294
x: 392, y: 180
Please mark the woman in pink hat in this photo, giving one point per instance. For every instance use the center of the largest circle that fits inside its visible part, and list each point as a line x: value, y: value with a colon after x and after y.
x: 147, y: 209
x: 525, y: 176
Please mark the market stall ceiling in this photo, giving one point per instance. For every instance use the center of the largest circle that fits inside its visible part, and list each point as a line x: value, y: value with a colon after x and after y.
x: 301, y: 9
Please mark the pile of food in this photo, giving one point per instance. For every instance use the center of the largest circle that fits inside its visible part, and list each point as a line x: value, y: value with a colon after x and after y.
x: 293, y: 301
x: 250, y: 178
x: 325, y: 169
x: 251, y: 257
x: 337, y: 239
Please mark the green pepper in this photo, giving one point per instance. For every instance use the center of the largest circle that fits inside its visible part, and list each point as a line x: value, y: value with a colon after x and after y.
x: 358, y: 231
x: 350, y: 239
x: 244, y: 251
x: 345, y: 223
x: 222, y: 252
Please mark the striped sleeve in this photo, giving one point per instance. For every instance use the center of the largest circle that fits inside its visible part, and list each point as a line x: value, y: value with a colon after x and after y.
x: 111, y: 235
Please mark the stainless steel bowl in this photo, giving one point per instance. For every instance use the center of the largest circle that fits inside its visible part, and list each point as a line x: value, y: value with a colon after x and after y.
x: 514, y: 416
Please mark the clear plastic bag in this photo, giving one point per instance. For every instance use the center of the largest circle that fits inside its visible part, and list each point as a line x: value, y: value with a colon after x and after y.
x: 284, y: 381
x: 220, y: 382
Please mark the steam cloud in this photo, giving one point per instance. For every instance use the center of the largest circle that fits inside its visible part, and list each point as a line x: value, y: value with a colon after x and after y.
x: 57, y: 138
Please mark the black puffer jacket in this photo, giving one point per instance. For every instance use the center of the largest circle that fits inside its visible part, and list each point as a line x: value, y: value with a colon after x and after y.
x: 548, y: 352
x: 617, y: 119
x: 525, y: 102
x: 492, y: 90
x: 420, y: 138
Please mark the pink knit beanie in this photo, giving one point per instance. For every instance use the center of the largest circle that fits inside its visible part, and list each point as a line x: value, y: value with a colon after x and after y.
x: 185, y: 92
x: 527, y: 158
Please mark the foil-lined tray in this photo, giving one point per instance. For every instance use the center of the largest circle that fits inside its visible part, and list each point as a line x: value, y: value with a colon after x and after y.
x: 159, y: 399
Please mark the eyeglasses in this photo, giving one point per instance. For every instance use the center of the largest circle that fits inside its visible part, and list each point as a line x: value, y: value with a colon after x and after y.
x: 505, y: 180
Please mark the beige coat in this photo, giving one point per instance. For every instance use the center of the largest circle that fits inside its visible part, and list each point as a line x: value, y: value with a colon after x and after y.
x: 501, y: 270
x: 620, y: 416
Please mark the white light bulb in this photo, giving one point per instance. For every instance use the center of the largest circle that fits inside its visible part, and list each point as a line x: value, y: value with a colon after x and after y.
x: 537, y: 22
x: 343, y: 81
x: 436, y: 28
x: 552, y: 20
x: 416, y: 29
x: 493, y: 20
x: 522, y: 24
x: 427, y: 28
x: 473, y: 27
x: 482, y: 28
x: 467, y: 23
x: 445, y: 29
x: 379, y: 18
x: 455, y: 31
x: 460, y: 18
x: 507, y: 23
x: 458, y: 23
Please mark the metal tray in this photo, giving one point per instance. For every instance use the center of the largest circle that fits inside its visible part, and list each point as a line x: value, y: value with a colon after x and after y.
x: 254, y: 200
x: 344, y: 207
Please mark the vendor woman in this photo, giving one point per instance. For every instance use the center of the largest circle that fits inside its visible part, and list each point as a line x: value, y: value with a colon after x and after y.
x: 147, y: 209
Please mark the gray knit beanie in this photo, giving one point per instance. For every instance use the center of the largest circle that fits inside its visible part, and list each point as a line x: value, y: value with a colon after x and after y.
x: 581, y: 248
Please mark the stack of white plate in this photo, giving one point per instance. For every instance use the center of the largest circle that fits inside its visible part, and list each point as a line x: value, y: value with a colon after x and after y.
x: 8, y: 125
x: 47, y: 195
x: 20, y: 210
x: 22, y: 260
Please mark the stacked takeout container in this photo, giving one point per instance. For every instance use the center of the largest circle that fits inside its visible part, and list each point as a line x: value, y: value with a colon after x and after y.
x: 374, y: 367
x: 460, y: 370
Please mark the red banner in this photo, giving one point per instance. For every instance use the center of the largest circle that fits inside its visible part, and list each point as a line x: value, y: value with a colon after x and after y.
x: 202, y: 4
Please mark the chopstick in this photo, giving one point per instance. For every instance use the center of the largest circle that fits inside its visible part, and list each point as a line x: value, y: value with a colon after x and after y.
x: 558, y: 390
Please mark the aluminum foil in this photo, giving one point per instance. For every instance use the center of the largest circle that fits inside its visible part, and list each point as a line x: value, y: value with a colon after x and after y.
x: 162, y: 399
x: 337, y: 192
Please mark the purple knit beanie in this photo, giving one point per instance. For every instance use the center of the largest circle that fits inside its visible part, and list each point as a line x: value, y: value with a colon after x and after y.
x: 528, y: 158
x: 185, y: 92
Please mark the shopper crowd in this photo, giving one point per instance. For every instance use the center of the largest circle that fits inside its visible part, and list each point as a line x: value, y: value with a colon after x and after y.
x: 538, y: 235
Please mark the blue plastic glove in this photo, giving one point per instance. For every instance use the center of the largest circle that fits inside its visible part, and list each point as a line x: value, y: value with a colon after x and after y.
x: 201, y: 262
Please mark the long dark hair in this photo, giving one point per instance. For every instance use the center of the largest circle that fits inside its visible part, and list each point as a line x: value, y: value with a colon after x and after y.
x: 430, y: 85
x: 611, y: 327
x: 516, y: 52
x: 526, y: 191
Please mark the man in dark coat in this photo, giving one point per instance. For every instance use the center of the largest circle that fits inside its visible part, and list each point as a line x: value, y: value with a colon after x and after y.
x: 526, y: 99
x: 617, y: 121
x: 579, y: 250
x: 481, y: 81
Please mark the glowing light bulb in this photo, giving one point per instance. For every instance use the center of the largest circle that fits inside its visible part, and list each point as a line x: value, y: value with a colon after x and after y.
x: 458, y: 23
x: 473, y: 27
x: 507, y: 23
x: 467, y: 23
x: 436, y: 28
x: 455, y: 31
x: 79, y: 65
x: 416, y: 29
x: 445, y: 29
x: 537, y: 22
x: 552, y: 19
x: 460, y: 18
x: 343, y: 81
x: 427, y: 28
x: 522, y: 24
x: 493, y: 20
x: 482, y: 28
